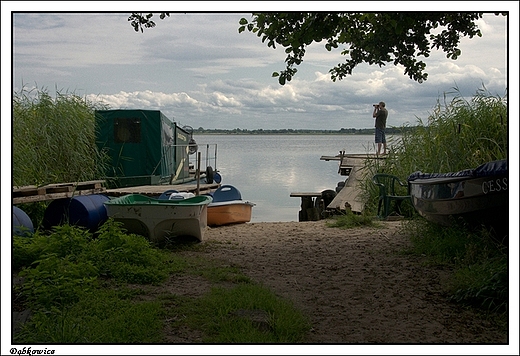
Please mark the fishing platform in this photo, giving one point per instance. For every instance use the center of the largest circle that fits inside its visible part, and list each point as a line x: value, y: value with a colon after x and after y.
x: 348, y: 196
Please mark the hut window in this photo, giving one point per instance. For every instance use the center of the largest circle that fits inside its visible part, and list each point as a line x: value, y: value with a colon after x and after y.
x: 127, y: 130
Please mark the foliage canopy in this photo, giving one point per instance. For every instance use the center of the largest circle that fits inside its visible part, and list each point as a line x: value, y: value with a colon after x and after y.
x: 377, y: 38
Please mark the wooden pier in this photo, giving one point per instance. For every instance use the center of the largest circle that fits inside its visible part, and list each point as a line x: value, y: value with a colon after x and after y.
x: 353, y: 166
x: 32, y: 193
x: 153, y: 190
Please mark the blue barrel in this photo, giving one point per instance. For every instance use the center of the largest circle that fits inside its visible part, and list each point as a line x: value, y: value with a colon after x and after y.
x: 22, y: 224
x: 86, y: 211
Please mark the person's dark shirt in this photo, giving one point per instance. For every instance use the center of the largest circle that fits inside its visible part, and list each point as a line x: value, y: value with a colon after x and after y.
x: 381, y: 116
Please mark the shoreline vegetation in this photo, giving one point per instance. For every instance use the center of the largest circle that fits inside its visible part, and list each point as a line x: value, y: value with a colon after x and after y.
x: 409, y: 281
x: 342, y: 131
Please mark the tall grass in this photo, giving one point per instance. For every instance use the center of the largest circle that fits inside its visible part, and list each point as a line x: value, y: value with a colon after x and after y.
x: 457, y: 135
x: 54, y: 138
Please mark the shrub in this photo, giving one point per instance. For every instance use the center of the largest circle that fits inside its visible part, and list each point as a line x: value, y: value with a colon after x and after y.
x: 127, y: 257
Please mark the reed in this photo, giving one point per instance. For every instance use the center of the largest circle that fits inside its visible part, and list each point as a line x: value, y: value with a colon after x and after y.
x: 457, y: 135
x: 54, y: 138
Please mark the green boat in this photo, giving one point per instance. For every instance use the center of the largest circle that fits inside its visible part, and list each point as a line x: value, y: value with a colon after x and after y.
x: 161, y: 220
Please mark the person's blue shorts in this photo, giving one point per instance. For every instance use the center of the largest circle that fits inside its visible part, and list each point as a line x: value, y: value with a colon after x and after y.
x: 380, y: 136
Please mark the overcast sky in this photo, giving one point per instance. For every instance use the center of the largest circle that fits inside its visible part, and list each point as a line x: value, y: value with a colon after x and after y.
x: 199, y: 71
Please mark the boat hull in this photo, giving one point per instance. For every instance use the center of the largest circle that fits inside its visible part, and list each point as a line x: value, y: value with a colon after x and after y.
x: 478, y: 199
x: 229, y: 212
x: 161, y: 220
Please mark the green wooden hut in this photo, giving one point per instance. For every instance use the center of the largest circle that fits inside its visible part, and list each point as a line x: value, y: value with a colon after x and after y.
x: 145, y: 147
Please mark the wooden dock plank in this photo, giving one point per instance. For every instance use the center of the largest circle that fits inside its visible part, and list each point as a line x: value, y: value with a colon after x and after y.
x: 31, y: 190
x: 305, y: 195
x: 56, y: 195
x: 350, y: 196
x: 151, y: 190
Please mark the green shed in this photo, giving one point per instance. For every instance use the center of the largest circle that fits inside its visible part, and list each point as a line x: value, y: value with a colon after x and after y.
x: 145, y: 147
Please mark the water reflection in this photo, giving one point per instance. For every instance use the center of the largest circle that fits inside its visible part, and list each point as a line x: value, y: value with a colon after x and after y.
x: 268, y: 168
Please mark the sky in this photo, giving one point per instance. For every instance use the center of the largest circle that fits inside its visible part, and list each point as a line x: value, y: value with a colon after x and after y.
x: 199, y: 71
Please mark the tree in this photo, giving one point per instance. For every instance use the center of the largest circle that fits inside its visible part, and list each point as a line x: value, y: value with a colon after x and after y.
x: 373, y: 38
x: 138, y: 20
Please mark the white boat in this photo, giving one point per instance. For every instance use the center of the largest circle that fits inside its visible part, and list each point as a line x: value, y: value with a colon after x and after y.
x: 478, y: 196
x: 161, y: 220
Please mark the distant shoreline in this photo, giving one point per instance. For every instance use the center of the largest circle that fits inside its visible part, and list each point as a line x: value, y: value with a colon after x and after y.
x: 370, y: 131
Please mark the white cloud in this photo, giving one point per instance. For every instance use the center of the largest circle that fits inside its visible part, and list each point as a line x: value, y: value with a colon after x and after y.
x: 197, y: 68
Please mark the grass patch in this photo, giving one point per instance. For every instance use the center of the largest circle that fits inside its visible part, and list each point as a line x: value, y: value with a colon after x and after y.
x: 246, y: 313
x: 101, y: 316
x: 350, y: 220
x: 89, y: 290
x: 479, y: 263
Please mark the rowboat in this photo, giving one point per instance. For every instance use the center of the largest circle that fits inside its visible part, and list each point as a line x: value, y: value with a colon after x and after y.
x: 228, y: 207
x: 160, y: 220
x: 477, y: 196
x: 229, y: 212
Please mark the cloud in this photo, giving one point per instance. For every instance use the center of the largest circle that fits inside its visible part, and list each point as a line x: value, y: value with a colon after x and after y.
x: 197, y: 68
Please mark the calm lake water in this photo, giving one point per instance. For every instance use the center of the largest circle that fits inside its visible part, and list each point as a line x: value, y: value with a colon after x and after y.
x: 268, y: 168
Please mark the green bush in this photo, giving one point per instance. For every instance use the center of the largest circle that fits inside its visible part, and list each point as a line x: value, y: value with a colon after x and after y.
x: 64, y: 241
x: 57, y: 281
x: 59, y: 267
x: 128, y: 257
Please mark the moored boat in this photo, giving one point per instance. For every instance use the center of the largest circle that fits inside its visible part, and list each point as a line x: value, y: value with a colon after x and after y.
x: 478, y: 196
x: 158, y: 219
x: 228, y: 207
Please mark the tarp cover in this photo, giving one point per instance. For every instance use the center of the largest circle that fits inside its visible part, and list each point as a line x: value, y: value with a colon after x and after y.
x: 139, y: 142
x: 492, y: 168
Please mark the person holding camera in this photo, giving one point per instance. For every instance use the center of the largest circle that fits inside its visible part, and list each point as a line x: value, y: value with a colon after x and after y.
x: 380, y: 114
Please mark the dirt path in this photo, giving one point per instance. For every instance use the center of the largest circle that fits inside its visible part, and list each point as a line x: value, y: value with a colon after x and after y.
x: 353, y: 284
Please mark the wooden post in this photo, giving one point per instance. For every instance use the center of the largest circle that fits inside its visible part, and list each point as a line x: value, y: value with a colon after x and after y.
x: 341, y: 155
x: 306, y: 205
x: 197, y: 191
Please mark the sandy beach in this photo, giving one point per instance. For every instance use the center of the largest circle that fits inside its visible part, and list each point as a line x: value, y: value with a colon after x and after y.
x: 354, y: 284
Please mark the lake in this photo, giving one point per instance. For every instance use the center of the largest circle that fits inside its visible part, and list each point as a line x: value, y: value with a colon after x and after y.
x: 268, y: 168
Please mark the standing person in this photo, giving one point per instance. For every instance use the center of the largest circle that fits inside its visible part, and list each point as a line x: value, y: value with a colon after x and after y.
x: 380, y: 114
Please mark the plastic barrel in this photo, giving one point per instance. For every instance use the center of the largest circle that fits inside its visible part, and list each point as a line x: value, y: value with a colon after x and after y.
x: 86, y: 211
x: 22, y: 224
